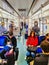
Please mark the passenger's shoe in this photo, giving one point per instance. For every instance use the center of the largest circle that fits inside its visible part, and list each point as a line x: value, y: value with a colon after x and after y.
x: 4, y: 61
x: 25, y: 57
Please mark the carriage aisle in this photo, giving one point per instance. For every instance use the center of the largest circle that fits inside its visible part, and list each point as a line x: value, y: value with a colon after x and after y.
x: 22, y: 51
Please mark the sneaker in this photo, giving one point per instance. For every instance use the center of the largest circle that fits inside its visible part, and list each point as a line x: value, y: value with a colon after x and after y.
x: 4, y: 61
x: 25, y: 57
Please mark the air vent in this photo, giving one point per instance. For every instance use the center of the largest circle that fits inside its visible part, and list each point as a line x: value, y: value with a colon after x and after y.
x: 22, y: 9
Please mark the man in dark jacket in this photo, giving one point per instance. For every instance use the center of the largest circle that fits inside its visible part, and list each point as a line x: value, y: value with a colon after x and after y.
x: 36, y: 28
x: 14, y: 42
x: 12, y: 38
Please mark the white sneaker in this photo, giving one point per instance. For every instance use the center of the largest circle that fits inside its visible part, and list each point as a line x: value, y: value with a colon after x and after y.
x: 25, y: 57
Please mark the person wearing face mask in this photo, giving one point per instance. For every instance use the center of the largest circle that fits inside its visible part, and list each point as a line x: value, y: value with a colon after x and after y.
x: 45, y: 44
x: 36, y: 28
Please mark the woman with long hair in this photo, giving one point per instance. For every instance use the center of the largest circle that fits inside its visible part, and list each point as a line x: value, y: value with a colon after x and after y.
x: 31, y: 43
x: 32, y: 39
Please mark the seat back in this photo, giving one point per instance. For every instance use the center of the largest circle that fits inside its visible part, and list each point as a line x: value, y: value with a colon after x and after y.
x: 40, y: 39
x: 41, y: 60
x: 2, y: 42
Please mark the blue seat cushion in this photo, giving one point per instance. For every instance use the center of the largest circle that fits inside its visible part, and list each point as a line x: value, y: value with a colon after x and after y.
x: 39, y: 50
x: 2, y: 40
x: 40, y: 39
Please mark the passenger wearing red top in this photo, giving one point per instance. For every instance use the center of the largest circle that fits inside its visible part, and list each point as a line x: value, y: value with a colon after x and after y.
x: 32, y: 39
x: 32, y: 43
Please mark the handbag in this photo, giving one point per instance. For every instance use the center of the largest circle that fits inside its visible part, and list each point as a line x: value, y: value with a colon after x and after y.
x: 32, y: 49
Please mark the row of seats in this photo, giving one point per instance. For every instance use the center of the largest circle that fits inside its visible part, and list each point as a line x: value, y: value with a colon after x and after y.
x: 40, y: 58
x: 11, y: 57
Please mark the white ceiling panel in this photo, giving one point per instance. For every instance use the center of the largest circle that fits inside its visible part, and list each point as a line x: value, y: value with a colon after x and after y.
x: 21, y: 4
x: 38, y: 5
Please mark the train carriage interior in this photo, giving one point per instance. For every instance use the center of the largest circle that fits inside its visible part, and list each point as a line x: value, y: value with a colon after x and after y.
x: 24, y: 32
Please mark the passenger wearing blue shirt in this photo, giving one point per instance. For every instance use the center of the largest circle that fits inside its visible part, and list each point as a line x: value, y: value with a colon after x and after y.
x: 2, y: 28
x: 9, y: 46
x: 6, y: 48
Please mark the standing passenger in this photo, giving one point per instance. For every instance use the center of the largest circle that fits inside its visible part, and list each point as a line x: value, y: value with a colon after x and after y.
x: 11, y: 28
x: 2, y: 28
x: 36, y: 28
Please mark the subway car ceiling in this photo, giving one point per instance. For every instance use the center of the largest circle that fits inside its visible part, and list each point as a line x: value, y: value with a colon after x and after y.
x: 5, y: 14
x: 24, y: 8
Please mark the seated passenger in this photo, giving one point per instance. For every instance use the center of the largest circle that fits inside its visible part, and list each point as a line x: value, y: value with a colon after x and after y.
x: 14, y: 42
x: 32, y: 40
x: 12, y: 38
x: 43, y: 58
x: 6, y: 48
x: 32, y: 43
x: 45, y: 44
